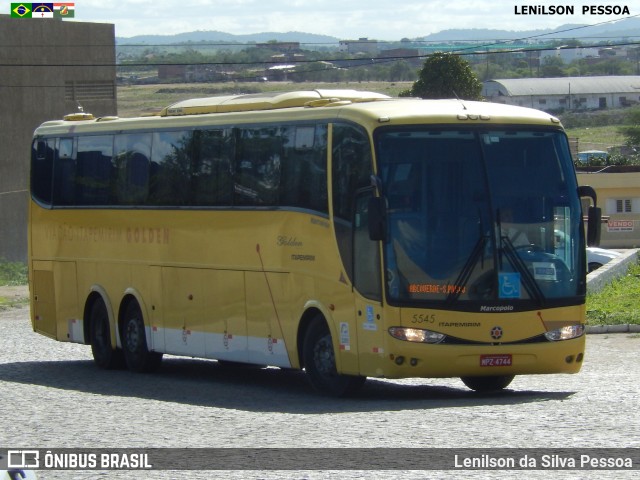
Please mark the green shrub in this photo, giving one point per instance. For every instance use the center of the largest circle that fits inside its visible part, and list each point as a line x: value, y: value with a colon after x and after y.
x: 617, y: 303
x: 13, y: 273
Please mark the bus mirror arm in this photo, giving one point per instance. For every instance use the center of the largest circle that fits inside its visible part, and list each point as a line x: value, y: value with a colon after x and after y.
x: 594, y: 216
x: 377, y: 218
x: 587, y: 191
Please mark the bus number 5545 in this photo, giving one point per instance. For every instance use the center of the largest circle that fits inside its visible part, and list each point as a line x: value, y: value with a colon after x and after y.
x: 423, y: 318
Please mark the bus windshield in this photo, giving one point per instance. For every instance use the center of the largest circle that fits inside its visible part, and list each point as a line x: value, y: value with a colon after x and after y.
x: 484, y: 215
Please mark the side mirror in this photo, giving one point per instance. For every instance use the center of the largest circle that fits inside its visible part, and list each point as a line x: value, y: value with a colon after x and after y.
x: 377, y: 218
x: 594, y: 216
x: 594, y: 226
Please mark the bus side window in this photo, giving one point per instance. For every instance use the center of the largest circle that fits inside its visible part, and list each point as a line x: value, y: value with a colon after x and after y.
x: 170, y: 170
x: 258, y: 165
x: 42, y: 170
x: 132, y: 154
x: 211, y: 175
x: 304, y: 168
x: 94, y: 170
x: 352, y: 167
x: 351, y: 171
x: 64, y: 173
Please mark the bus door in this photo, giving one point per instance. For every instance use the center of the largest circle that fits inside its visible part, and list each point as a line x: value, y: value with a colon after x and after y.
x: 351, y: 169
x: 367, y: 282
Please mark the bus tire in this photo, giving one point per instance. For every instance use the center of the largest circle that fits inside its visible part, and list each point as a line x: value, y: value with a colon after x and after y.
x: 320, y: 363
x: 104, y: 355
x: 134, y: 341
x: 488, y: 384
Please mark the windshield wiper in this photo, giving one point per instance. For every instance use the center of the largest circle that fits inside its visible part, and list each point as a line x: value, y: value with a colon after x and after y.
x: 467, y: 270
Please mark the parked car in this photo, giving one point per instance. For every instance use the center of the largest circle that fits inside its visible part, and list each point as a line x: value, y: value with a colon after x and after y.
x: 586, y: 157
x: 597, y: 257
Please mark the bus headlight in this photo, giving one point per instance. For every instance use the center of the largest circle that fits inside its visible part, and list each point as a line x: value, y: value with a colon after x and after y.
x: 416, y: 335
x: 565, y: 333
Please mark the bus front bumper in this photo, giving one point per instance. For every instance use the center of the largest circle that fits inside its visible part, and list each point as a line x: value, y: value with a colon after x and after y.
x: 406, y: 359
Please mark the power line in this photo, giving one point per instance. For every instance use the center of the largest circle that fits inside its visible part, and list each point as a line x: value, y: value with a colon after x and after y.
x: 355, y: 62
x: 522, y: 39
x: 250, y: 44
x: 477, y: 50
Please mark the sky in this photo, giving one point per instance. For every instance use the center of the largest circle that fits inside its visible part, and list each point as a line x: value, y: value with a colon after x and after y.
x: 344, y: 19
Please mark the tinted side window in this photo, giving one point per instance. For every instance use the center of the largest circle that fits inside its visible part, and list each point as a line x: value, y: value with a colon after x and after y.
x: 170, y: 170
x: 42, y: 155
x: 352, y: 168
x: 132, y: 162
x: 258, y: 165
x: 64, y: 173
x: 281, y: 165
x: 211, y: 175
x: 304, y: 169
x: 94, y: 170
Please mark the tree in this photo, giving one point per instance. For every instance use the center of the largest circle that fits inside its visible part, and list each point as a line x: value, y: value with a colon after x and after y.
x: 445, y: 75
x: 552, y: 67
x: 632, y: 130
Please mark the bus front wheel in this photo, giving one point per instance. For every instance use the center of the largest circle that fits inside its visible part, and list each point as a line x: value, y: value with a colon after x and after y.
x: 488, y: 384
x: 320, y: 363
x: 134, y: 342
x: 100, y: 335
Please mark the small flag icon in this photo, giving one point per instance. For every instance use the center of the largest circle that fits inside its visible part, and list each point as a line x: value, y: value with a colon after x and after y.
x: 63, y: 10
x: 19, y: 10
x: 42, y: 10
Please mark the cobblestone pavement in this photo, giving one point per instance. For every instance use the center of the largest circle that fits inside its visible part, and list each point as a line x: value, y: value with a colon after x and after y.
x: 52, y: 396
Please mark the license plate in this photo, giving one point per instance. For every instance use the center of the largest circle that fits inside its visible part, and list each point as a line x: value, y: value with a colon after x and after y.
x: 496, y: 360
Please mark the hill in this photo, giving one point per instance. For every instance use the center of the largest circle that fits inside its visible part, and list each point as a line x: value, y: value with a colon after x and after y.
x: 588, y: 33
x: 616, y: 30
x: 218, y: 37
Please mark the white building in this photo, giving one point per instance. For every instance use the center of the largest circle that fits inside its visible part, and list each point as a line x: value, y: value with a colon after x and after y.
x: 362, y: 45
x: 568, y: 55
x: 566, y: 93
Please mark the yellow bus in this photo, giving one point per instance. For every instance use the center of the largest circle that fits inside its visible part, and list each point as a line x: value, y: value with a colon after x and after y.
x: 345, y: 233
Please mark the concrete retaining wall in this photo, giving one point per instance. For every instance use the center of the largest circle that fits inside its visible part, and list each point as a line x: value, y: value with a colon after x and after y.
x: 616, y: 268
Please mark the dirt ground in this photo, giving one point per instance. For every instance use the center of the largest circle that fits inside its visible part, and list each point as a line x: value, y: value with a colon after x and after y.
x: 14, y: 293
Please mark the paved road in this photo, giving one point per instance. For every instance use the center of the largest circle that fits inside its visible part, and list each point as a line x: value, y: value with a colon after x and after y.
x: 52, y: 396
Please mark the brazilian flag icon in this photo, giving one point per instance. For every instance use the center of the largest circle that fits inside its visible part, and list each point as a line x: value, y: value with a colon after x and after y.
x: 19, y: 10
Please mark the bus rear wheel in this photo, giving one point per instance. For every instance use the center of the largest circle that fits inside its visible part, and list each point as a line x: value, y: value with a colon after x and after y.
x: 488, y: 384
x: 134, y: 342
x: 320, y: 363
x: 100, y: 335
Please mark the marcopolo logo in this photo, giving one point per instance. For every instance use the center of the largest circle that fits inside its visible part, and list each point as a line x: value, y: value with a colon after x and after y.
x: 496, y: 333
